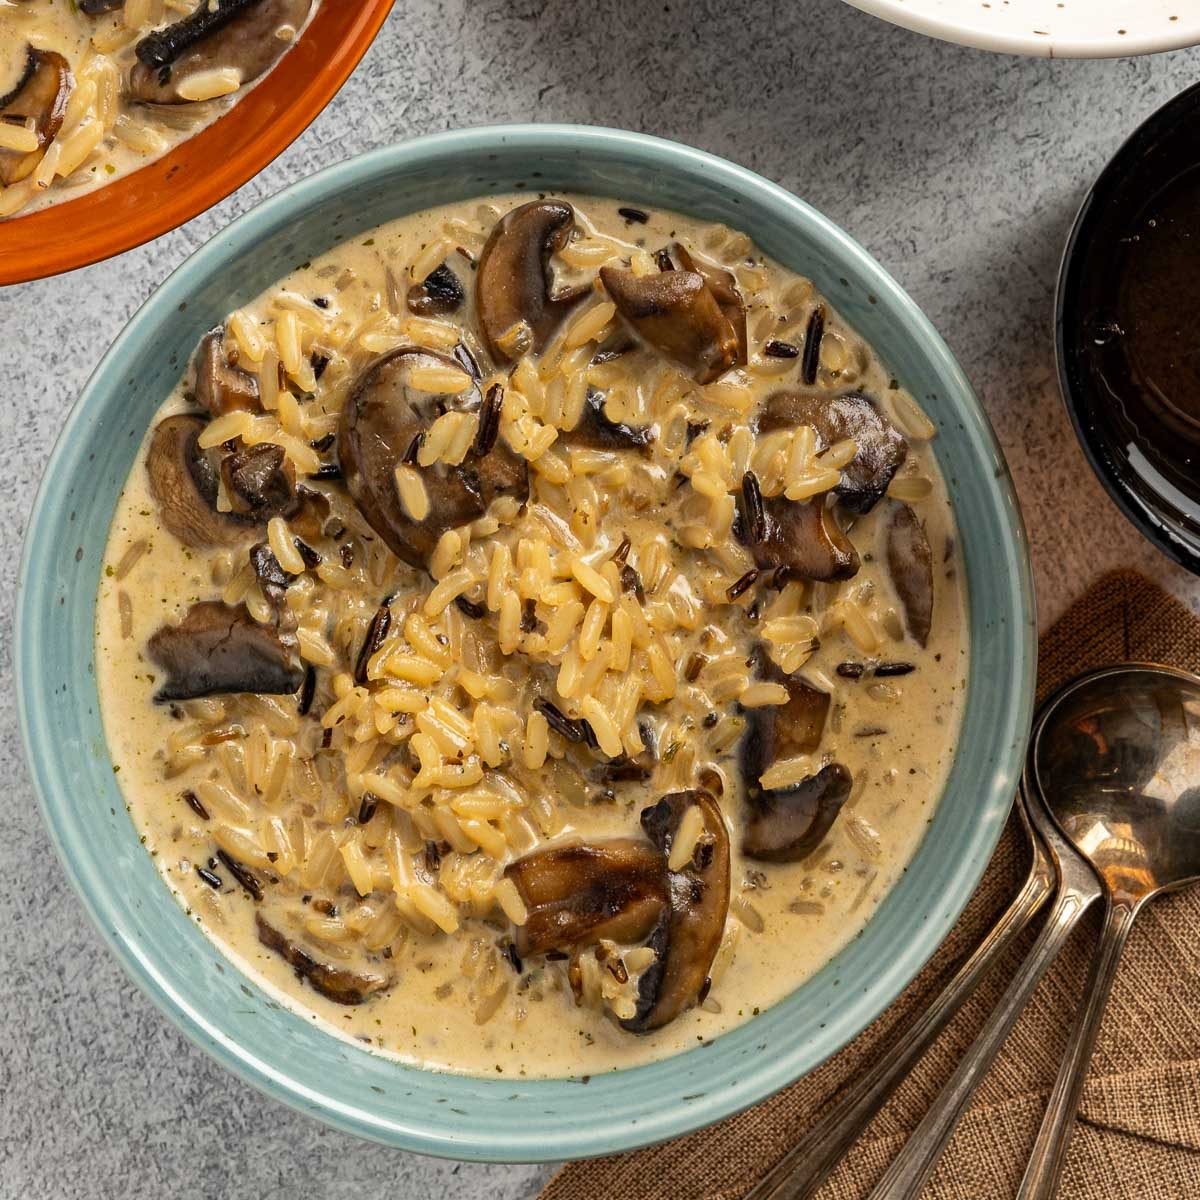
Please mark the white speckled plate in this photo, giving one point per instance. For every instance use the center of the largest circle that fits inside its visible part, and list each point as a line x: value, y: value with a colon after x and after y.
x: 1051, y: 28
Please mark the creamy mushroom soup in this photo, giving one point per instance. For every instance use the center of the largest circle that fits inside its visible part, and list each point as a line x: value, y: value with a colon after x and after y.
x: 93, y: 89
x: 531, y: 638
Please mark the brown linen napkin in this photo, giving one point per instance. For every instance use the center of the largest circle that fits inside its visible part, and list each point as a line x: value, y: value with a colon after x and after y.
x: 1138, y: 1134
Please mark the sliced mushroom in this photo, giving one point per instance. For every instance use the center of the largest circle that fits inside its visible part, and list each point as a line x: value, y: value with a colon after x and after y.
x: 307, y: 518
x: 577, y: 894
x: 184, y: 486
x: 244, y: 35
x: 216, y: 650
x: 788, y: 824
x: 676, y: 312
x: 439, y: 292
x: 686, y: 939
x: 272, y: 578
x: 382, y: 422
x: 723, y: 286
x: 514, y: 297
x: 599, y: 432
x: 881, y: 447
x: 339, y: 984
x: 221, y: 387
x: 259, y: 481
x: 94, y: 8
x: 780, y: 731
x: 801, y: 538
x: 910, y: 564
x: 37, y: 102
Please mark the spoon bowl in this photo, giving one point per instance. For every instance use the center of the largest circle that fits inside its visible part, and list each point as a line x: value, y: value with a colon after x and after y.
x: 1116, y: 759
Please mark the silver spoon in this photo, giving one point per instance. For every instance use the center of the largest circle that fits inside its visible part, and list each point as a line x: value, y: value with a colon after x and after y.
x: 813, y: 1159
x: 1116, y: 759
x: 1078, y: 890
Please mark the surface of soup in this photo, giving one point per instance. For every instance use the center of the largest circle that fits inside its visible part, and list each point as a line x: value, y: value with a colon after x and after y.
x: 91, y: 90
x: 532, y: 635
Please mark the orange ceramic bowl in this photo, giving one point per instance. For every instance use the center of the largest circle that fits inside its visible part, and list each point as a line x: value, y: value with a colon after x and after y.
x: 205, y: 168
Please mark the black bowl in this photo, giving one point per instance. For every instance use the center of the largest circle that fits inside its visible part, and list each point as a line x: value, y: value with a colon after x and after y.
x: 1146, y: 454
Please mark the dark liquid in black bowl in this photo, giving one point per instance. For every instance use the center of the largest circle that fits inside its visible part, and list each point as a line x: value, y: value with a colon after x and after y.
x: 1128, y: 328
x: 1145, y: 333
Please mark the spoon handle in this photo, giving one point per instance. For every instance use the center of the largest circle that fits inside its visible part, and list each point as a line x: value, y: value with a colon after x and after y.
x: 1050, y: 1149
x: 909, y: 1171
x: 810, y: 1162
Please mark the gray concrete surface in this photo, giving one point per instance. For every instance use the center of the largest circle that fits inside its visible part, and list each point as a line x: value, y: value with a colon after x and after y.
x: 959, y: 170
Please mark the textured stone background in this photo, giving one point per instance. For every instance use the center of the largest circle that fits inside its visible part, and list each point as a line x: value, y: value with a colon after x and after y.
x: 960, y: 171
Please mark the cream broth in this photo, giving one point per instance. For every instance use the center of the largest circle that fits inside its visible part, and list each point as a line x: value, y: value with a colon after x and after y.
x: 101, y: 126
x: 405, y: 888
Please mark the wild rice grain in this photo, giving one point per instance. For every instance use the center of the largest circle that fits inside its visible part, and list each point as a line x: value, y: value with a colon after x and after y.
x: 210, y: 877
x: 414, y: 449
x: 742, y: 585
x: 242, y: 874
x: 559, y: 721
x: 377, y: 633
x: 813, y: 334
x: 193, y: 802
x: 310, y: 557
x: 469, y: 608
x: 756, y: 515
x: 368, y: 807
x: 489, y: 420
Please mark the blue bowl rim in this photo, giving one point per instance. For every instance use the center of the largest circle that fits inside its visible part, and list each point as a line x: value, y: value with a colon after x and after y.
x: 609, y: 1135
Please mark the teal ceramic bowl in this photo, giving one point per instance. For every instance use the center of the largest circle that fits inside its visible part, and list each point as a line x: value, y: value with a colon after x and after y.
x: 227, y: 1014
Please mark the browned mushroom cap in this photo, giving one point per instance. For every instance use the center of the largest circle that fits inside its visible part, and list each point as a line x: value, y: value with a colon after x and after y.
x: 221, y: 387
x: 38, y: 101
x: 380, y: 425
x: 184, y: 485
x: 216, y: 649
x: 339, y: 984
x: 598, y: 431
x: 439, y: 292
x: 578, y: 894
x: 513, y: 284
x: 802, y: 538
x: 676, y: 313
x: 243, y: 34
x: 723, y: 286
x: 780, y: 731
x: 788, y: 824
x: 910, y: 564
x: 685, y: 941
x: 259, y: 481
x: 881, y: 447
